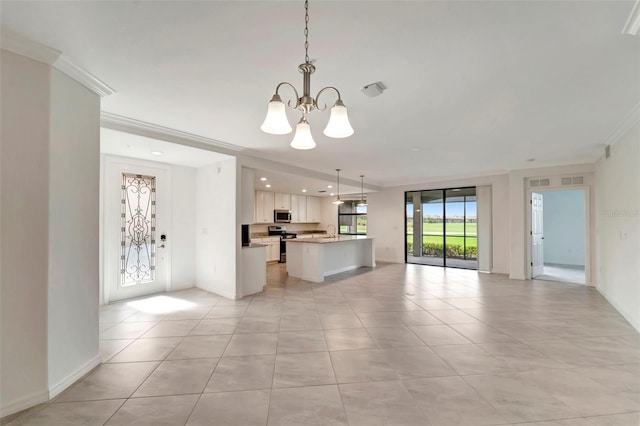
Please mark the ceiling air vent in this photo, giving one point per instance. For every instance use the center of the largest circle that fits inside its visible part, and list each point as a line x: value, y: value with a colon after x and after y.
x: 534, y: 182
x: 575, y: 180
x: 544, y: 182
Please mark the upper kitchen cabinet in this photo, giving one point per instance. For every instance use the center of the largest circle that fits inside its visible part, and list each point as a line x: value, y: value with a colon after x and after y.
x: 314, y: 209
x: 282, y: 201
x: 298, y: 208
x: 264, y: 207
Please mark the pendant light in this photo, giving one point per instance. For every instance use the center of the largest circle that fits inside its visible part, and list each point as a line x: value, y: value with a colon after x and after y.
x: 338, y: 201
x: 362, y: 202
x: 276, y: 121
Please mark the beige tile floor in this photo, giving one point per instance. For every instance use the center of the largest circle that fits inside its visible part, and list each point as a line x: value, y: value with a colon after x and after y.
x: 397, y: 345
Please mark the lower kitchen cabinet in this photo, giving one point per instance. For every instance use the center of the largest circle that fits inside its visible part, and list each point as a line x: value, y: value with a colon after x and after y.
x: 273, y: 247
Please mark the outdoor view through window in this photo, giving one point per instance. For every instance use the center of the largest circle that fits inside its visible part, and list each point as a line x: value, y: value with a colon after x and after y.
x: 441, y: 227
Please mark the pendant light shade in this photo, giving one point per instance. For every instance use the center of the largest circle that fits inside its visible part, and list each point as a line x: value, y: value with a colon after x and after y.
x: 276, y: 121
x: 362, y: 202
x: 303, y: 138
x: 338, y: 125
x: 338, y: 201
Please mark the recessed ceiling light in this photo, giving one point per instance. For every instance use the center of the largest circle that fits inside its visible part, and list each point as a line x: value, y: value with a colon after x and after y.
x: 531, y: 160
x: 329, y: 186
x: 304, y: 190
x: 415, y: 148
x: 268, y: 186
x: 332, y: 194
x: 157, y: 153
x: 263, y: 179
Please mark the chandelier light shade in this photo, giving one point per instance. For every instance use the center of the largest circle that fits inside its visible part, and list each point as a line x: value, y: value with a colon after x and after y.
x: 338, y: 125
x: 338, y: 201
x: 276, y: 120
x: 362, y: 202
x: 303, y: 138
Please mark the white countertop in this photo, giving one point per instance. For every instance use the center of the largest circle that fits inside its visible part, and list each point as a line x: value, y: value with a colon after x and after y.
x: 327, y: 240
x: 255, y: 245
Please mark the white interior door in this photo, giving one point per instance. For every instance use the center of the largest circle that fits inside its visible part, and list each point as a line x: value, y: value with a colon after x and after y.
x: 136, y: 216
x: 537, y: 235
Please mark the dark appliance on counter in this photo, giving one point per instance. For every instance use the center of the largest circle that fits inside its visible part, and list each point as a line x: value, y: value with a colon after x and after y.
x: 281, y: 216
x: 246, y: 239
x: 284, y: 235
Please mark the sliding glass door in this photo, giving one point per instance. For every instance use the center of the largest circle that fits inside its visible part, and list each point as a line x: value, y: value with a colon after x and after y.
x: 441, y: 227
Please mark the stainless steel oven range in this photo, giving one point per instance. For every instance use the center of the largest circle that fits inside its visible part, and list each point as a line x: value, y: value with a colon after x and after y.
x: 284, y: 235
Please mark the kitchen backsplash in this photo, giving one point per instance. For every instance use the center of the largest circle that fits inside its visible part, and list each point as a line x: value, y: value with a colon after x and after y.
x: 291, y: 227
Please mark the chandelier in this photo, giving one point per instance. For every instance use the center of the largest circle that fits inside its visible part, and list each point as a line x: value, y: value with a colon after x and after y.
x: 276, y: 121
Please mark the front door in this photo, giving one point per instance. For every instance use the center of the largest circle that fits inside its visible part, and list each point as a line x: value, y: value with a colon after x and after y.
x: 136, y: 240
x: 537, y: 235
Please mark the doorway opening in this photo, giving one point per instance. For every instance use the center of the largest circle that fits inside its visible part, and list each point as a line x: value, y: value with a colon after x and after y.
x: 441, y: 227
x: 558, y: 235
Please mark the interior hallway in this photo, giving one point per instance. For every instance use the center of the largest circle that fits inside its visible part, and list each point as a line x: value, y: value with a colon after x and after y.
x: 563, y: 273
x: 397, y: 345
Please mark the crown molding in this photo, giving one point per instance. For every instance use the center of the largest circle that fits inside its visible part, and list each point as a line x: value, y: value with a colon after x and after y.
x: 83, y: 77
x: 624, y: 126
x: 154, y: 131
x: 632, y: 27
x: 23, y: 46
x: 31, y: 49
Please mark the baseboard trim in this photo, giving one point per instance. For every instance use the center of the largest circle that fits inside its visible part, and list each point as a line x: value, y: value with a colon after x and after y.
x: 221, y: 293
x: 75, y: 376
x: 635, y: 322
x: 23, y: 403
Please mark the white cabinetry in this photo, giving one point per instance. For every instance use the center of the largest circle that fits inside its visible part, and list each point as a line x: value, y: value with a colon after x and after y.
x: 264, y: 207
x: 298, y: 208
x: 282, y: 201
x: 303, y: 209
x: 273, y: 247
x: 314, y: 209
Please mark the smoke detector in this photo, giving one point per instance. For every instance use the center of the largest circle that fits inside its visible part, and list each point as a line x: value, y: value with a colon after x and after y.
x: 374, y: 89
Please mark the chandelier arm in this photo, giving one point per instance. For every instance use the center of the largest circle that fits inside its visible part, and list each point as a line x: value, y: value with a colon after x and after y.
x: 318, y: 96
x: 285, y: 83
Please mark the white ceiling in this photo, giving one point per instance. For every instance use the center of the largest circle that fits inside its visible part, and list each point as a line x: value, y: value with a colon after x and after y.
x: 473, y: 87
x: 134, y: 146
x: 295, y: 184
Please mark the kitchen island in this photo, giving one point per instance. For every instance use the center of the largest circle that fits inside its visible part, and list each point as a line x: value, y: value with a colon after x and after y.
x: 313, y: 259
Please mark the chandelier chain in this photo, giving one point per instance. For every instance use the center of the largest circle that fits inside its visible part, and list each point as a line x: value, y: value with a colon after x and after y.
x: 306, y: 31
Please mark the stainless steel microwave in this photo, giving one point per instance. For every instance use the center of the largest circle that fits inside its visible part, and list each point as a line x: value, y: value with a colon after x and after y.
x: 280, y: 216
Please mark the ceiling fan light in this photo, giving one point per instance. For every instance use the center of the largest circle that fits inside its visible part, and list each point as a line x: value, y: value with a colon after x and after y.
x: 276, y: 121
x: 338, y: 125
x: 303, y: 138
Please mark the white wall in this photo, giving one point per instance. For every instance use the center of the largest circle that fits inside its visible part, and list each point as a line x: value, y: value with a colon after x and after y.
x: 329, y: 214
x: 74, y: 189
x: 217, y: 228
x: 618, y: 226
x: 24, y: 173
x: 247, y: 195
x: 564, y: 227
x: 385, y: 216
x: 183, y: 227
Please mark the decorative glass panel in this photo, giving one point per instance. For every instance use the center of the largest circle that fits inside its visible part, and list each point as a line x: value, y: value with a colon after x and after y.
x: 138, y: 229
